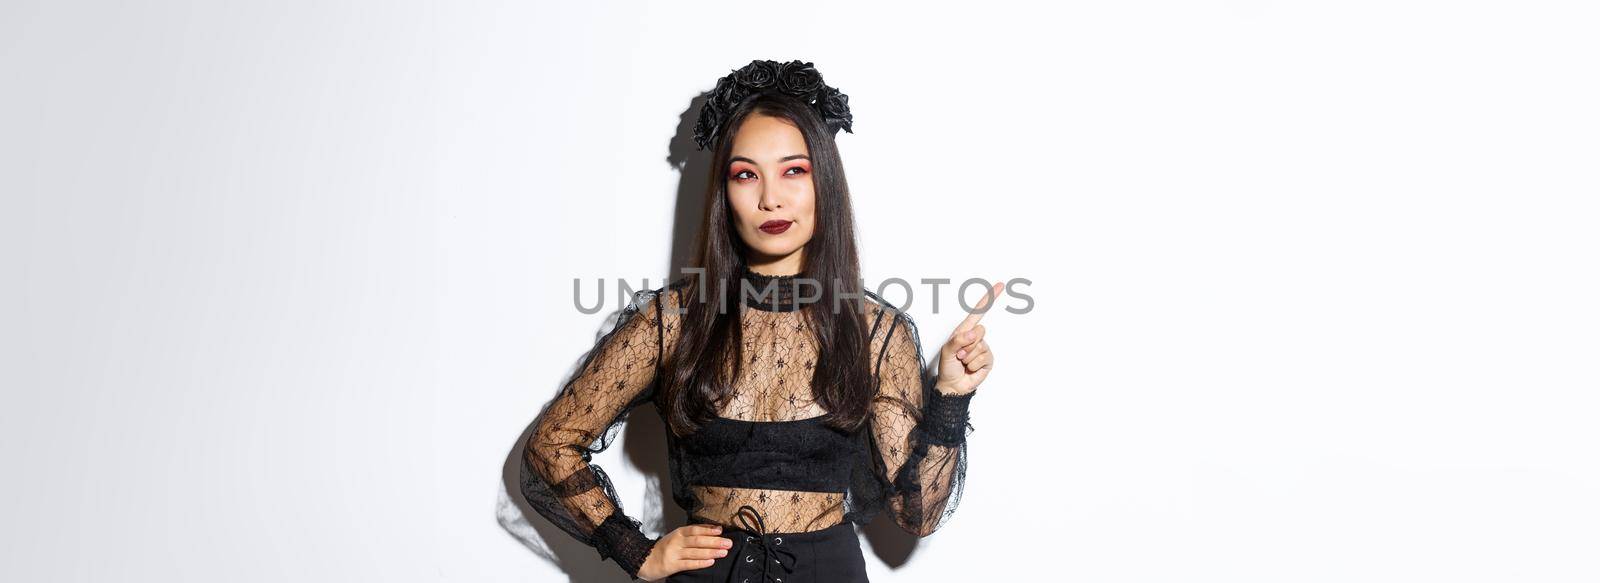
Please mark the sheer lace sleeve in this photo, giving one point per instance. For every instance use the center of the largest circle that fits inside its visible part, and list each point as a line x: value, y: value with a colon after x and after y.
x: 919, y: 434
x: 558, y: 479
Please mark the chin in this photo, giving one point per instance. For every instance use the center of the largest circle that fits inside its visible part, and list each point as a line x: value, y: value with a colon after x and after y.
x: 770, y: 251
x: 770, y: 246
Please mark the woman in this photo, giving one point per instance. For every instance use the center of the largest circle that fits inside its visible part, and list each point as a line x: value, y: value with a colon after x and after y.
x: 796, y: 402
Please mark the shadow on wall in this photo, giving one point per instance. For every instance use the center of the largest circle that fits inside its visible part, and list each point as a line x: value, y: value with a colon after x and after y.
x: 643, y: 437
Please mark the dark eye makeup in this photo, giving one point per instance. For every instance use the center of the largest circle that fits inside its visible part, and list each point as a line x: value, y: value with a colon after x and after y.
x: 738, y: 176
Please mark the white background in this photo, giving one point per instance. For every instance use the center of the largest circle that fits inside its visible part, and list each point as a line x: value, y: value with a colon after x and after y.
x: 286, y: 282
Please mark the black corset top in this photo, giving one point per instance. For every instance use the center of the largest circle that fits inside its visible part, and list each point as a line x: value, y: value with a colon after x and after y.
x: 800, y: 454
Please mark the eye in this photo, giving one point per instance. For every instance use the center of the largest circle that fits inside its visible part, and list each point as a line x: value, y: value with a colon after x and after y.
x: 802, y: 170
x: 738, y: 176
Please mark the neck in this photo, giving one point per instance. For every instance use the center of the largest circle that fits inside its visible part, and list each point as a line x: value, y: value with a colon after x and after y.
x: 773, y: 292
x: 790, y: 264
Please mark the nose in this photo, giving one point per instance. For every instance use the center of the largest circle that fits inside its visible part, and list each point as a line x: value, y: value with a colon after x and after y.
x: 769, y: 199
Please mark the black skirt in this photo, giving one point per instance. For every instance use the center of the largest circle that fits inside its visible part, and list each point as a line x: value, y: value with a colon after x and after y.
x: 830, y: 555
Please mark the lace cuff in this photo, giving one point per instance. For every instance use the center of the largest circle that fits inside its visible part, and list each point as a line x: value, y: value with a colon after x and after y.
x: 619, y: 538
x: 944, y: 418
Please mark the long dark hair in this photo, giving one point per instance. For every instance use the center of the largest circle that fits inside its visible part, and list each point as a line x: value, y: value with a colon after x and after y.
x: 696, y: 378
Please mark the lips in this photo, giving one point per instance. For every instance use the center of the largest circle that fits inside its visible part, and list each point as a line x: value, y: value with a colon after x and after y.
x: 775, y: 227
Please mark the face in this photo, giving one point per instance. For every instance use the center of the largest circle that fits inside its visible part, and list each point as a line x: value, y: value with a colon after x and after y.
x: 769, y: 184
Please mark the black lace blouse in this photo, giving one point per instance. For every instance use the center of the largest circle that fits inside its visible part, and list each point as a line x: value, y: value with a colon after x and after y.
x: 765, y: 449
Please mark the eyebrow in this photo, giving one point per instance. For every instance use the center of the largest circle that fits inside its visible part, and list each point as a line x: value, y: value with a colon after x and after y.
x: 783, y: 159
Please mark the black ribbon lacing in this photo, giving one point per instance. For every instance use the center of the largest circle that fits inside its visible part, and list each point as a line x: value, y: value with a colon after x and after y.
x: 773, y: 551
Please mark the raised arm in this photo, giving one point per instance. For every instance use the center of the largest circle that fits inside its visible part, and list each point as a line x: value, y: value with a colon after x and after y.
x: 558, y: 479
x: 919, y: 434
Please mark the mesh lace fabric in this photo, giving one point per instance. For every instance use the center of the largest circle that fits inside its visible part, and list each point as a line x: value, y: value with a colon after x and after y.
x: 911, y: 462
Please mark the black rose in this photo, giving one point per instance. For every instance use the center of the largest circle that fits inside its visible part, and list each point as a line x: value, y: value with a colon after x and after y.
x: 799, y: 78
x: 758, y: 74
x: 796, y: 78
x: 705, y: 128
x: 728, y: 93
x: 714, y: 114
x: 835, y: 108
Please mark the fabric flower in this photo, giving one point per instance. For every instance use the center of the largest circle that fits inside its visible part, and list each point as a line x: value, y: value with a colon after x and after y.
x: 799, y: 78
x: 835, y: 108
x: 796, y: 78
x: 758, y: 74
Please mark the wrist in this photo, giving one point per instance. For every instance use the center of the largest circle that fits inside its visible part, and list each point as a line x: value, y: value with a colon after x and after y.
x: 647, y: 568
x: 941, y: 389
x: 620, y: 539
x: 944, y: 417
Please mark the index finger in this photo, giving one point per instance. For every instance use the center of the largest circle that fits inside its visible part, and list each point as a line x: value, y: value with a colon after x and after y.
x: 705, y: 541
x: 704, y: 529
x: 982, y: 308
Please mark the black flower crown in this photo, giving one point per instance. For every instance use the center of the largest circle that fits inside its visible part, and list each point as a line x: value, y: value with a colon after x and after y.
x: 794, y: 78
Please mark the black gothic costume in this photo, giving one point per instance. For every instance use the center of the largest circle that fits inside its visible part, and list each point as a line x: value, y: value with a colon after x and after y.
x: 788, y: 490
